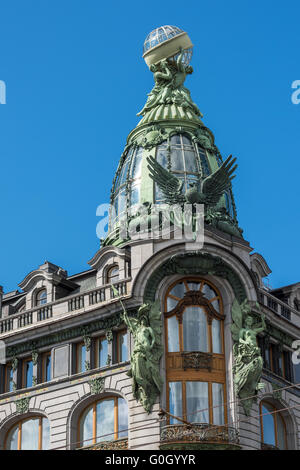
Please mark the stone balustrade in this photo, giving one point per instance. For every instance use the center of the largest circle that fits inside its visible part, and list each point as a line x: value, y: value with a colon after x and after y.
x: 64, y: 306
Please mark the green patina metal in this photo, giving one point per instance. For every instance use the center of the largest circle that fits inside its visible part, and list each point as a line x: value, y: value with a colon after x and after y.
x: 145, y: 359
x: 96, y: 385
x: 248, y: 362
x: 168, y: 112
x: 196, y: 262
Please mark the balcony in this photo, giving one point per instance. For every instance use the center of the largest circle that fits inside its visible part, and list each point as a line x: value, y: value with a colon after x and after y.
x: 120, y: 444
x: 279, y: 308
x: 63, y: 308
x: 198, y: 436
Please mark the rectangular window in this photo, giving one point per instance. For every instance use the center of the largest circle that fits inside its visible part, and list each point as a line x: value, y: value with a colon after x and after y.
x: 218, y: 403
x: 46, y: 367
x: 175, y: 401
x: 8, y: 378
x: 80, y: 358
x: 27, y: 378
x: 122, y: 346
x: 101, y: 352
x: 197, y: 409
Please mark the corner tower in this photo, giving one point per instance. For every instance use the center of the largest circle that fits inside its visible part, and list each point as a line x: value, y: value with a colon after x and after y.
x: 172, y: 133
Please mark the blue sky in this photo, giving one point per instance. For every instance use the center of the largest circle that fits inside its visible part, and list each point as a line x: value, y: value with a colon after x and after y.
x: 75, y: 80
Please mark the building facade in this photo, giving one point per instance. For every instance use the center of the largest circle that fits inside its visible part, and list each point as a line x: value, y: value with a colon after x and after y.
x: 167, y: 341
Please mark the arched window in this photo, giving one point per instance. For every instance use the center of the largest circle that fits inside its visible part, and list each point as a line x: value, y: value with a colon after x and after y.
x: 273, y: 428
x: 112, y: 275
x: 104, y: 420
x: 41, y: 297
x: 29, y: 434
x: 195, y: 352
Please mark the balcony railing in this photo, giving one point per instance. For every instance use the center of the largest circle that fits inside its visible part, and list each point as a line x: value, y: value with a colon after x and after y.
x: 62, y: 307
x: 199, y: 433
x: 279, y: 307
x: 120, y: 444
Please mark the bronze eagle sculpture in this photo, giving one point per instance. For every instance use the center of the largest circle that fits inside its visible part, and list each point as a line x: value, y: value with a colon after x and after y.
x: 208, y: 191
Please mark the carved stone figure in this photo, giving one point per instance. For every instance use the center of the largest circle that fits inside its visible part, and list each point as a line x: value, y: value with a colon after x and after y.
x: 248, y: 362
x: 169, y: 76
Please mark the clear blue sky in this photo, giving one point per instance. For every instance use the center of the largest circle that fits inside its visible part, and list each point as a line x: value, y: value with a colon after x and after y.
x: 75, y: 80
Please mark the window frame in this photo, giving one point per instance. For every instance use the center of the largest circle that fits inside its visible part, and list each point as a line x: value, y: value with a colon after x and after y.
x: 37, y: 301
x: 274, y: 415
x: 19, y: 425
x: 98, y: 340
x: 24, y: 375
x: 45, y: 355
x: 119, y: 334
x: 179, y: 374
x: 93, y: 406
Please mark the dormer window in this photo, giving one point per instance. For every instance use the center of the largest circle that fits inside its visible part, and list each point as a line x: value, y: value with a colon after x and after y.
x: 113, y: 274
x: 41, y: 298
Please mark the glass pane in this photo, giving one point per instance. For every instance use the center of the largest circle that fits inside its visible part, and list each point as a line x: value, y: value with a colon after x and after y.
x: 30, y: 434
x: 123, y: 347
x: 46, y: 434
x: 175, y: 140
x: 171, y: 303
x: 124, y: 172
x: 83, y: 358
x: 268, y: 425
x: 122, y: 418
x: 208, y: 292
x: 186, y: 141
x: 194, y: 285
x: 103, y: 353
x: 197, y: 402
x: 135, y: 195
x: 195, y: 329
x: 47, y: 368
x: 28, y: 373
x: 190, y: 161
x: 105, y: 420
x: 178, y: 290
x: 175, y: 401
x: 216, y: 305
x: 216, y: 336
x: 176, y: 160
x: 86, y: 428
x: 12, y: 440
x: 137, y: 164
x: 173, y: 334
x: 218, y: 403
x: 122, y: 202
x: 280, y: 432
x: 162, y: 157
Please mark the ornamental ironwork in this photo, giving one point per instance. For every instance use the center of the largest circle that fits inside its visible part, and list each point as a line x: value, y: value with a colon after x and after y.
x: 196, y: 360
x: 201, y: 432
x: 121, y: 444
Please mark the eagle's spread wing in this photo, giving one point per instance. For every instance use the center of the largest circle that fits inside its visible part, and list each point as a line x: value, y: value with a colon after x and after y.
x: 214, y: 185
x: 168, y: 183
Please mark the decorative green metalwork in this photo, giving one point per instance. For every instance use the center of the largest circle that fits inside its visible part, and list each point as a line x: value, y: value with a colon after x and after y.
x: 248, y: 362
x: 22, y: 405
x: 96, y: 385
x: 145, y: 358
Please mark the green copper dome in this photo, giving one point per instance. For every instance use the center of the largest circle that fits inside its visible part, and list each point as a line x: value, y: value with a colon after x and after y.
x: 172, y: 133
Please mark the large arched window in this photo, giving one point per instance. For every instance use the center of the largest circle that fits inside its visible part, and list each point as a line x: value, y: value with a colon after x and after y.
x: 29, y: 434
x: 273, y: 428
x: 195, y: 352
x: 104, y: 420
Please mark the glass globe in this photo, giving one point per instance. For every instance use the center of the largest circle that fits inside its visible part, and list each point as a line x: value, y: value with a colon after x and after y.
x: 159, y: 35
